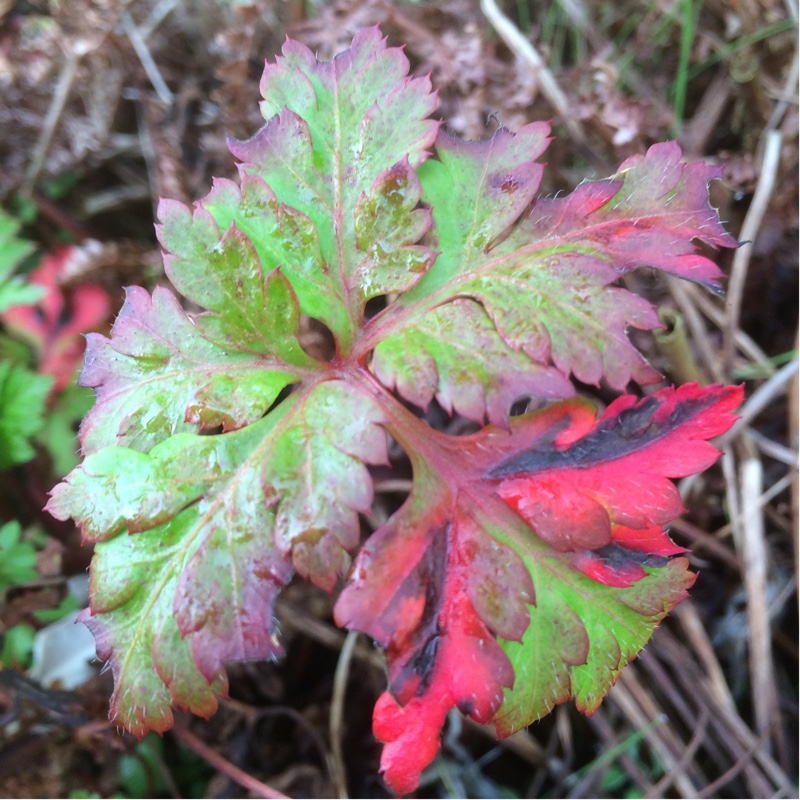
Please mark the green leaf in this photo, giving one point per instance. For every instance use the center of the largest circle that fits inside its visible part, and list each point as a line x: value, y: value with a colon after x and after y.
x: 341, y: 143
x: 14, y: 291
x: 17, y: 557
x: 543, y: 269
x: 456, y: 354
x: 158, y: 375
x: 58, y: 434
x: 66, y: 606
x: 17, y: 651
x: 196, y: 538
x: 23, y: 395
x: 581, y: 635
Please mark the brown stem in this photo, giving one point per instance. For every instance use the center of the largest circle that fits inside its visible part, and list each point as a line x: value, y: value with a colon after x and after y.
x: 198, y: 746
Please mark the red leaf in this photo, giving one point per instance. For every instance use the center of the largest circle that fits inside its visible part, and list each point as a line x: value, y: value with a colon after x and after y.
x: 437, y: 623
x: 55, y: 325
x: 590, y: 493
x: 452, y: 569
x: 662, y: 209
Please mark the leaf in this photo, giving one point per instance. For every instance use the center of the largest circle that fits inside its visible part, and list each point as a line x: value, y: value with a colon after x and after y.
x: 57, y: 435
x: 573, y: 498
x: 529, y: 562
x: 455, y: 354
x: 158, y: 375
x: 14, y: 290
x: 339, y: 150
x: 23, y: 395
x: 17, y: 557
x: 543, y: 269
x: 195, y: 539
x: 56, y: 324
x: 435, y: 610
x: 17, y: 650
x: 219, y: 456
x: 452, y: 568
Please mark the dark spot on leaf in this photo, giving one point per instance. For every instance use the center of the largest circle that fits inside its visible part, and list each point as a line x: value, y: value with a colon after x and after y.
x: 418, y: 666
x: 615, y: 565
x: 509, y: 185
x: 629, y: 431
x: 635, y: 421
x: 424, y: 662
x: 618, y: 557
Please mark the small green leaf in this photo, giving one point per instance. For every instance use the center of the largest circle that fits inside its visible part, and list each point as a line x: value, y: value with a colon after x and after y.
x: 23, y: 395
x: 14, y: 291
x: 17, y: 650
x: 66, y: 606
x: 59, y: 435
x: 17, y: 557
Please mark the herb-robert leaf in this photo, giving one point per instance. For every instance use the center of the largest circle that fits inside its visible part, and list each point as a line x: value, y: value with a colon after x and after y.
x: 530, y: 561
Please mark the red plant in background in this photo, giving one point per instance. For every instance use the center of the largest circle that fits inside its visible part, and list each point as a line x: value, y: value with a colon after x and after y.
x: 55, y: 326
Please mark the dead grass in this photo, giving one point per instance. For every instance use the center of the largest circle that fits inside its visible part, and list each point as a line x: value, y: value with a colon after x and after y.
x: 108, y: 105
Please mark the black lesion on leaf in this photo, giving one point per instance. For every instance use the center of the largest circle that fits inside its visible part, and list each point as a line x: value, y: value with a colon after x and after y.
x: 421, y: 648
x: 619, y: 558
x: 629, y: 431
x: 424, y: 661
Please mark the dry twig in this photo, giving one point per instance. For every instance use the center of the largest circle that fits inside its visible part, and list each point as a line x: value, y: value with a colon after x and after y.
x: 749, y: 232
x: 526, y: 52
x: 223, y: 765
x: 337, y: 713
x: 56, y: 108
x: 148, y: 62
x: 749, y: 537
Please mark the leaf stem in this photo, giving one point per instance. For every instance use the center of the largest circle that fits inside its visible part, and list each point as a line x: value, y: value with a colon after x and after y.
x: 673, y: 343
